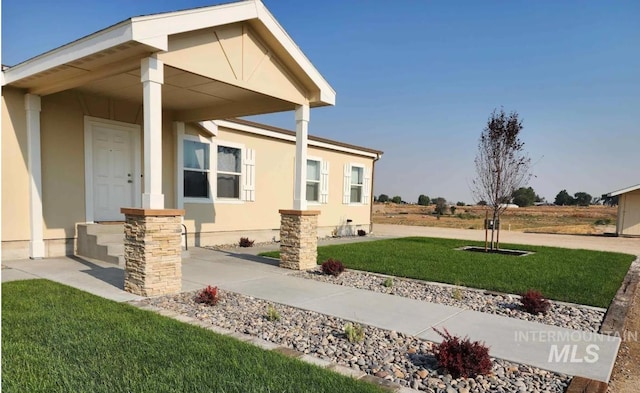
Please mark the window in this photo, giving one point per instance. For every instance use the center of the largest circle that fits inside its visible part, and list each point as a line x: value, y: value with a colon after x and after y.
x: 357, y: 184
x: 357, y: 180
x: 229, y: 172
x: 313, y: 181
x: 196, y: 169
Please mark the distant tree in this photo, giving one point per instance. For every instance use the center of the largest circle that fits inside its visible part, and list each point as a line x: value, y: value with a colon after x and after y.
x: 524, y: 197
x: 441, y: 206
x: 383, y: 198
x: 501, y: 163
x: 452, y: 209
x: 396, y: 199
x: 460, y: 203
x: 423, y: 200
x: 482, y: 202
x: 582, y: 198
x: 564, y: 199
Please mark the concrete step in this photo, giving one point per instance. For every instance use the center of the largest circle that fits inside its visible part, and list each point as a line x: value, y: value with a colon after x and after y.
x: 104, y: 242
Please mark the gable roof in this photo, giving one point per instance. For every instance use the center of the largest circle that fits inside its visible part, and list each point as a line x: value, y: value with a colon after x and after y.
x: 281, y: 133
x: 144, y: 34
x: 624, y: 190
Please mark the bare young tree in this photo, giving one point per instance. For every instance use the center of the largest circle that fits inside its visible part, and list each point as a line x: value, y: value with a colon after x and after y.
x: 502, y: 166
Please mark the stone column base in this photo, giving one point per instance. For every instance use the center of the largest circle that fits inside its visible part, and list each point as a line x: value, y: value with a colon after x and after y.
x: 152, y: 251
x: 298, y: 239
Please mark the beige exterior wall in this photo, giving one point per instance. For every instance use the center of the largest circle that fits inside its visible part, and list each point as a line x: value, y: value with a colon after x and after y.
x: 629, y: 214
x: 63, y: 184
x: 62, y: 154
x: 15, y: 179
x: 274, y: 187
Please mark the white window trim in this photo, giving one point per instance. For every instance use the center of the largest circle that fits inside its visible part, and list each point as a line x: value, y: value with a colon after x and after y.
x: 347, y: 183
x: 242, y: 148
x: 319, y: 160
x: 180, y: 161
x: 351, y: 166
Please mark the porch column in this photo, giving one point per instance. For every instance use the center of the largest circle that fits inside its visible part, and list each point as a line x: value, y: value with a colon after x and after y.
x: 299, y: 227
x: 152, y: 78
x: 32, y: 108
x: 302, y: 125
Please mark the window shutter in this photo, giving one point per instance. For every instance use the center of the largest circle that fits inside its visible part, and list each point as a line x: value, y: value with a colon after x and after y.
x: 366, y: 192
x: 249, y: 175
x: 324, y: 182
x: 346, y: 197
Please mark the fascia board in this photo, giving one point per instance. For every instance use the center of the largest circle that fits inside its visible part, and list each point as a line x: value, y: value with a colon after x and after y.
x: 327, y: 93
x: 290, y: 138
x: 145, y: 27
x: 624, y: 190
x: 86, y: 46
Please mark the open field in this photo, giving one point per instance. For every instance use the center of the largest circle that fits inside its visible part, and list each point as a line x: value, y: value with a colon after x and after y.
x: 543, y: 219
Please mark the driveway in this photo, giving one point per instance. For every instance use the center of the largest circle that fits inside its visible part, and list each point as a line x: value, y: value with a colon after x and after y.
x: 598, y: 243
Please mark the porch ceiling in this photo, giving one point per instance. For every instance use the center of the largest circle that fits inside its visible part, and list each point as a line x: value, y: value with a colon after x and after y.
x: 192, y: 97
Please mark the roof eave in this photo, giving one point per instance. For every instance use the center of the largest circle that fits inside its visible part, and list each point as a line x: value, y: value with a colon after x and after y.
x: 624, y: 190
x: 153, y: 31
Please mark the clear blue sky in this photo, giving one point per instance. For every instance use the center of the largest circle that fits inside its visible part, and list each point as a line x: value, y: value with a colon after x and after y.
x: 418, y: 80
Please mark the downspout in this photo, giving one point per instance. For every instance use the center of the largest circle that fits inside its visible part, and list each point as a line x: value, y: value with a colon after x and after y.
x: 373, y: 179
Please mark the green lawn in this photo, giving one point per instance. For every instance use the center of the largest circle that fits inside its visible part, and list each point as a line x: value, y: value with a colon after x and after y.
x: 577, y: 276
x: 59, y: 339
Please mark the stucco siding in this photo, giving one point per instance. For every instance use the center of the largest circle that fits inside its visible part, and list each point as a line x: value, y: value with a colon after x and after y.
x: 62, y: 145
x: 274, y: 189
x: 15, y: 176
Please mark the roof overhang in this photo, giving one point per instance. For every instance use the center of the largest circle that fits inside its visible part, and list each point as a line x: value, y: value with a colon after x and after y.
x: 290, y: 136
x: 83, y: 60
x: 624, y: 190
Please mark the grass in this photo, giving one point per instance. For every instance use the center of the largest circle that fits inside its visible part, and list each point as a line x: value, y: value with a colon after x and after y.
x: 59, y: 339
x: 577, y: 276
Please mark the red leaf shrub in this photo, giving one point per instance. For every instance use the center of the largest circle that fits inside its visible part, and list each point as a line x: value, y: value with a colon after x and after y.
x: 362, y: 232
x: 533, y: 302
x: 209, y: 296
x: 333, y: 267
x: 245, y: 242
x: 461, y: 357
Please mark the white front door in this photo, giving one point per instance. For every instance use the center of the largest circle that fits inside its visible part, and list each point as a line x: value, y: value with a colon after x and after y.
x: 112, y: 176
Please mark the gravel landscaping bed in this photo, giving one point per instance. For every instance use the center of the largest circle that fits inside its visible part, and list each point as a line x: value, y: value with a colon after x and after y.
x: 560, y: 314
x: 403, y: 359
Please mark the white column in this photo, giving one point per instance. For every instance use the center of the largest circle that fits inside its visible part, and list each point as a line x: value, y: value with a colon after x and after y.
x: 152, y: 79
x: 36, y: 243
x: 302, y: 124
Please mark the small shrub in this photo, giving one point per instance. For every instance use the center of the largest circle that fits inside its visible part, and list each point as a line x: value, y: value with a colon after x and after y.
x: 209, y: 296
x: 602, y: 221
x: 362, y: 232
x: 533, y: 302
x: 388, y: 283
x: 456, y: 294
x: 354, y: 332
x: 272, y: 314
x: 462, y: 358
x: 245, y: 242
x: 333, y: 267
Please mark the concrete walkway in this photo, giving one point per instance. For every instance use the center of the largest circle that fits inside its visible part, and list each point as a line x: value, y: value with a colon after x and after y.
x: 561, y: 350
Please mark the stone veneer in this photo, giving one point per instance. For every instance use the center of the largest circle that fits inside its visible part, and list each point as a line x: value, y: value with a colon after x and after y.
x: 298, y: 239
x: 153, y: 251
